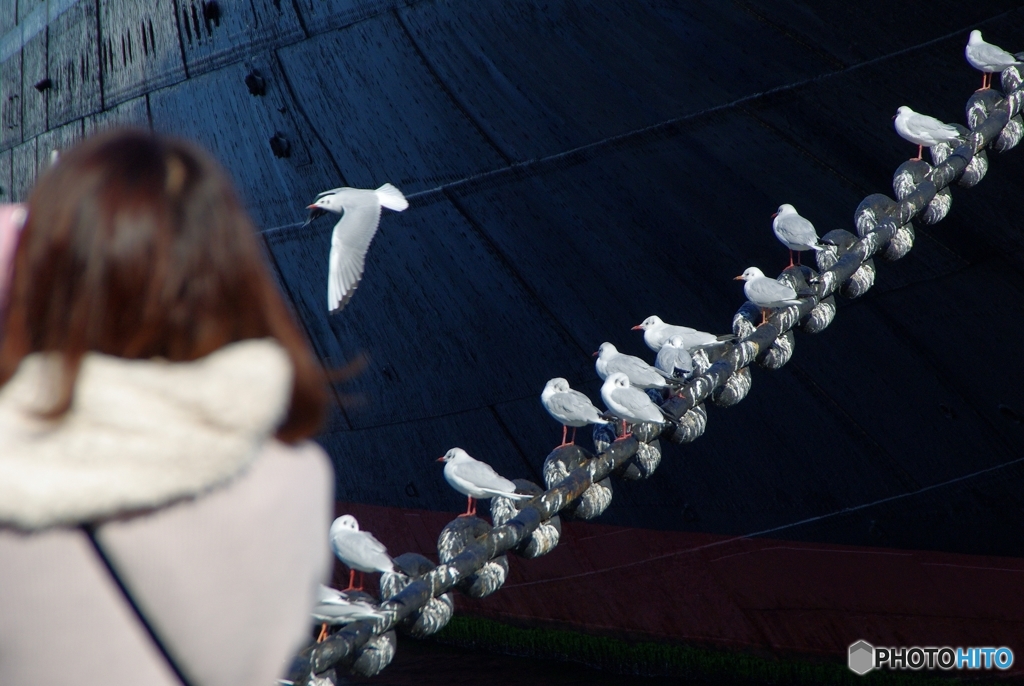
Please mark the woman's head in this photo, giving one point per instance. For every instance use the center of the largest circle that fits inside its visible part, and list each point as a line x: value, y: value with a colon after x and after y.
x: 136, y: 246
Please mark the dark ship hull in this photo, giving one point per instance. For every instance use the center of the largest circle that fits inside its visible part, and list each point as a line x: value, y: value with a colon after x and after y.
x: 573, y: 168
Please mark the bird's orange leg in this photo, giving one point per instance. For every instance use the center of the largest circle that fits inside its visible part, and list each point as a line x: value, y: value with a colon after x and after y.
x: 790, y: 259
x: 764, y: 315
x: 351, y: 580
x: 920, y: 154
x: 470, y: 507
x: 564, y: 430
x: 323, y: 633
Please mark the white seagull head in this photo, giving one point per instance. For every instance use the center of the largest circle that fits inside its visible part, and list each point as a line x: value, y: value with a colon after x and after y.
x: 784, y: 209
x: 617, y: 379
x: 556, y: 385
x: 345, y: 522
x: 605, y: 350
x: 334, y: 201
x: 649, y: 323
x: 750, y: 274
x: 453, y: 455
x: 975, y: 37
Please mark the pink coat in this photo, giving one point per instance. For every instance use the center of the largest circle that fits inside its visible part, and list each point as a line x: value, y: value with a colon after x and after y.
x: 227, y: 581
x: 168, y: 473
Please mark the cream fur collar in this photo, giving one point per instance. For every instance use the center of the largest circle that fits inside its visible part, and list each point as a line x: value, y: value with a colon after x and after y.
x: 140, y: 433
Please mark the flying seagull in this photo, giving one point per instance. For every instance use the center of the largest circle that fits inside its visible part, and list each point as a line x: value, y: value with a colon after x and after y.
x: 765, y: 292
x: 476, y: 480
x: 359, y: 550
x: 795, y: 232
x: 922, y: 129
x: 987, y: 58
x: 360, y: 215
x: 569, y: 407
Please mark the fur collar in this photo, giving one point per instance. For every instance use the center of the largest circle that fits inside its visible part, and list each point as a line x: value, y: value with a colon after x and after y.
x: 139, y: 434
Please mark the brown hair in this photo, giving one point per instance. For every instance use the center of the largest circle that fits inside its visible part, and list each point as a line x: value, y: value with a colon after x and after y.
x: 136, y: 246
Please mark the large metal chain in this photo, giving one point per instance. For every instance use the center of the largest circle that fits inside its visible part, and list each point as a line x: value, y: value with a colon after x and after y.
x: 883, y: 225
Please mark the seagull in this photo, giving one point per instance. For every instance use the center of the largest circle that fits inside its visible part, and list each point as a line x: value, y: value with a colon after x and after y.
x: 656, y: 332
x: 766, y: 293
x: 639, y: 373
x: 569, y: 407
x: 627, y: 402
x: 987, y: 58
x: 359, y: 550
x: 476, y: 480
x: 360, y: 214
x: 923, y: 130
x: 334, y: 608
x: 674, y: 359
x: 795, y: 232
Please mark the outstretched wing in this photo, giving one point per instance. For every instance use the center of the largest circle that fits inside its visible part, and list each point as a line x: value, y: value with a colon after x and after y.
x: 349, y: 245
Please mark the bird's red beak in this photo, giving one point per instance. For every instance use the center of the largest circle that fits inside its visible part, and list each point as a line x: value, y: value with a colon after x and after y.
x: 595, y: 354
x: 738, y: 278
x: 638, y: 327
x: 310, y: 207
x: 774, y: 215
x: 441, y: 459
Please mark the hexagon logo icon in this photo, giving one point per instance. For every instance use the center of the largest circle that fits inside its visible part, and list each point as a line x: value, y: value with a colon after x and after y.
x: 862, y: 657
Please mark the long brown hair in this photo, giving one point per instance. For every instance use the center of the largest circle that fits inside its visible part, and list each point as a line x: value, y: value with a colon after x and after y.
x: 136, y: 246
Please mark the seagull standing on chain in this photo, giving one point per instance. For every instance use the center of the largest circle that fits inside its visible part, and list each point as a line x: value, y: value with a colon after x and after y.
x: 923, y: 130
x: 988, y: 58
x: 360, y: 215
x: 476, y: 480
x: 334, y: 608
x: 359, y: 550
x: 569, y: 407
x: 629, y: 403
x: 674, y: 359
x: 640, y: 374
x: 795, y: 232
x: 656, y: 332
x: 765, y: 292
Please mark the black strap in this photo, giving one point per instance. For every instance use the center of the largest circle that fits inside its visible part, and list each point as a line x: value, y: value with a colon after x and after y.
x: 90, y: 533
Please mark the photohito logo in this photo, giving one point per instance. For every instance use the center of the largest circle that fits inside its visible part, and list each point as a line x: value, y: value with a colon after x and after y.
x: 863, y: 657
